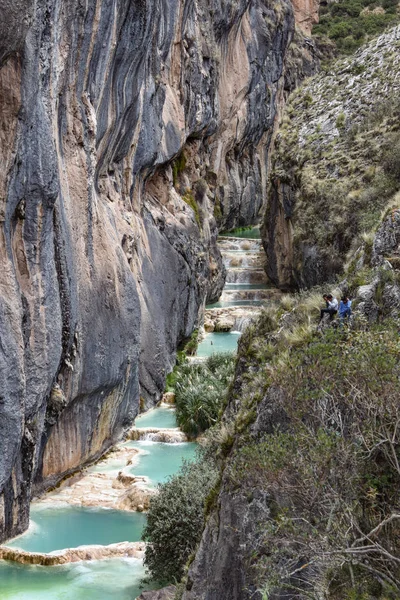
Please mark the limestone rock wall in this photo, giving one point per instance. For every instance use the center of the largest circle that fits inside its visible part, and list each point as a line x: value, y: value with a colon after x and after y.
x: 129, y: 131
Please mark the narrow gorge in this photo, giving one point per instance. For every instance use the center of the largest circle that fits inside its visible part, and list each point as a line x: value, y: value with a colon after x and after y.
x: 181, y: 184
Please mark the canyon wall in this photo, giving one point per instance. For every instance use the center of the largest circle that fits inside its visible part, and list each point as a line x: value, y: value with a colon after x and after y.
x: 130, y: 131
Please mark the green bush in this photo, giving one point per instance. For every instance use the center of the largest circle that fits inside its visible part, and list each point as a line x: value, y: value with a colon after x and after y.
x: 347, y: 24
x: 178, y: 166
x: 176, y: 519
x: 190, y: 347
x: 200, y: 391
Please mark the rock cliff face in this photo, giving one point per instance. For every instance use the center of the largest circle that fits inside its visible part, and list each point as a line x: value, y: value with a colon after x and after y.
x: 128, y: 131
x: 335, y: 165
x: 306, y: 14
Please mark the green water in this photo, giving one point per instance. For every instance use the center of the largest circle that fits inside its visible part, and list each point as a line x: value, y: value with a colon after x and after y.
x: 57, y: 528
x: 253, y: 233
x: 67, y: 527
x: 95, y: 580
x: 110, y: 465
x: 160, y: 461
x: 162, y: 417
x: 234, y: 303
x: 218, y: 342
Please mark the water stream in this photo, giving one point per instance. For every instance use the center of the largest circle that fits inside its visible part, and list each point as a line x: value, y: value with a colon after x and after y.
x: 158, y: 461
x: 162, y: 417
x: 252, y: 233
x: 246, y: 289
x: 58, y: 525
x: 89, y: 580
x: 53, y: 528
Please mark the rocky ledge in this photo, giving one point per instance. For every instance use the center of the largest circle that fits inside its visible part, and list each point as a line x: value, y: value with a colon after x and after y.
x: 336, y: 166
x: 120, y: 491
x: 70, y: 555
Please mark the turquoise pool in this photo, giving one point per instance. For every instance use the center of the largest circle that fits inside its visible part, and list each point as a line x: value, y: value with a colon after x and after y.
x: 68, y: 527
x: 162, y: 417
x: 159, y: 461
x: 218, y: 342
x: 117, y: 579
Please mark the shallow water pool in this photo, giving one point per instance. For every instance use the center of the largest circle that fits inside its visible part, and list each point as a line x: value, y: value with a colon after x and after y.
x: 117, y: 579
x: 68, y: 527
x: 162, y: 417
x: 218, y: 342
x: 159, y: 460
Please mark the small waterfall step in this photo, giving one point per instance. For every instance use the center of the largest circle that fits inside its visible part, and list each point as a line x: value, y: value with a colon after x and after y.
x: 238, y: 245
x: 253, y: 276
x: 251, y: 294
x: 171, y: 435
x: 243, y: 260
x: 246, y: 286
x: 233, y: 318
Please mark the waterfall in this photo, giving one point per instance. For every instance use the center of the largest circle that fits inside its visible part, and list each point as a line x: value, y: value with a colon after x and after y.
x: 241, y: 323
x: 168, y: 436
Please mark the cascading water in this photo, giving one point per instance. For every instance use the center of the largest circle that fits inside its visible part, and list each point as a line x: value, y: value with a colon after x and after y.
x: 246, y: 290
x: 241, y: 323
x: 74, y: 514
x: 62, y: 520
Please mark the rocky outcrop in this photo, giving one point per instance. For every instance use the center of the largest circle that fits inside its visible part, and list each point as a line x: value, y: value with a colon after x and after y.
x: 107, y: 487
x: 221, y: 570
x: 70, y: 555
x: 334, y: 167
x: 386, y: 245
x: 306, y: 14
x: 128, y: 132
x: 167, y: 593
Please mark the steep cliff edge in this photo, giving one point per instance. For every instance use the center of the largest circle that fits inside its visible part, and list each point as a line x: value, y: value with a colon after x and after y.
x: 125, y: 127
x: 336, y: 165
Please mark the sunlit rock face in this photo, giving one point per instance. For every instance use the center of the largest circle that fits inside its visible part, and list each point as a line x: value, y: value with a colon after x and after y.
x: 306, y: 14
x: 129, y: 131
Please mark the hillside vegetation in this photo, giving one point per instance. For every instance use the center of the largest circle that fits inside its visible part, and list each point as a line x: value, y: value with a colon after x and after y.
x: 327, y: 456
x: 337, y: 164
x: 351, y: 23
x: 307, y: 505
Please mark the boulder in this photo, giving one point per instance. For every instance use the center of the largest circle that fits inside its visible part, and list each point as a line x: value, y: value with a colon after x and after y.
x: 167, y: 593
x: 224, y: 324
x: 387, y: 238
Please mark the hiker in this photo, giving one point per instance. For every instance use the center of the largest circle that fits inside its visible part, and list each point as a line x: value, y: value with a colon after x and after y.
x: 331, y: 307
x: 344, y: 309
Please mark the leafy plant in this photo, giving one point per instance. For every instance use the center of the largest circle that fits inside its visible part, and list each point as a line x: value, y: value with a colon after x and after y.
x: 176, y: 519
x: 200, y: 390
